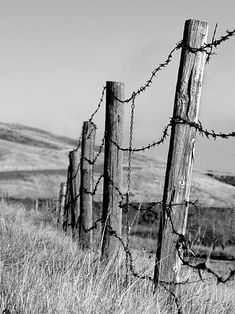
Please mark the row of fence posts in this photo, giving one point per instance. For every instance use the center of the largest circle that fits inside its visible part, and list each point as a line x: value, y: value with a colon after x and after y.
x: 76, y: 212
x: 75, y: 202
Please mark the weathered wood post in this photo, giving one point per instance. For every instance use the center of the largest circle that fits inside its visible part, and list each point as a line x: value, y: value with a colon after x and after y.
x: 74, y: 158
x: 86, y: 187
x: 67, y: 205
x: 113, y: 168
x: 61, y: 203
x: 181, y: 154
x: 36, y: 204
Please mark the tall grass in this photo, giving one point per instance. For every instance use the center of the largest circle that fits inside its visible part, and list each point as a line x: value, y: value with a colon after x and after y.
x: 43, y: 271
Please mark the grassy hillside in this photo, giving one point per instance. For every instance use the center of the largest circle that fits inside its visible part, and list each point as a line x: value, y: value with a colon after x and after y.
x: 43, y: 271
x: 33, y: 163
x: 29, y: 136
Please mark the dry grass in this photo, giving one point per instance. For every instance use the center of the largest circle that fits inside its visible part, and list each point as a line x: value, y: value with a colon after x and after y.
x: 43, y: 271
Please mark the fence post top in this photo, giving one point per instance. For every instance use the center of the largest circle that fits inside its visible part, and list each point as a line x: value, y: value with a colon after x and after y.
x: 193, y: 21
x: 114, y: 82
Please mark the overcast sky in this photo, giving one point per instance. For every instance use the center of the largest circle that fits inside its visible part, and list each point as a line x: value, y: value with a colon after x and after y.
x: 56, y: 55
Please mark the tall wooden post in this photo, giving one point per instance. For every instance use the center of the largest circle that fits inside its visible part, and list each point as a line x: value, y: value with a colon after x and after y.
x: 61, y: 203
x: 67, y: 205
x: 74, y: 157
x: 86, y: 187
x: 181, y: 154
x: 36, y: 204
x: 113, y: 164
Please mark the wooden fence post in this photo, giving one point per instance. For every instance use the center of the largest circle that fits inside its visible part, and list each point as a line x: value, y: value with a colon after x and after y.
x: 67, y: 214
x: 74, y: 158
x: 36, y: 204
x: 86, y: 187
x: 61, y: 203
x: 181, y: 154
x: 113, y: 169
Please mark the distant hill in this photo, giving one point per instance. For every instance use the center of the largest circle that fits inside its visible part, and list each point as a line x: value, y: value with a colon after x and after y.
x: 33, y: 162
x: 30, y: 136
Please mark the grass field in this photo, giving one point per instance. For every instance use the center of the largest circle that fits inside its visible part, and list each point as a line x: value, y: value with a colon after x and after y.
x: 43, y: 271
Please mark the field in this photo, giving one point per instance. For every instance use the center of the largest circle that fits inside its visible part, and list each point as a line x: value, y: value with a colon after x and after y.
x: 43, y: 271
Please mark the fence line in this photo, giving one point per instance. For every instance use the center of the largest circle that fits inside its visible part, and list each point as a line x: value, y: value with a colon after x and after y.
x: 183, y: 118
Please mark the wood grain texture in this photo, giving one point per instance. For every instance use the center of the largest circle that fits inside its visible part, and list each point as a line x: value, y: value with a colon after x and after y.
x: 61, y: 204
x: 181, y: 152
x: 67, y: 212
x: 86, y: 187
x: 113, y: 163
x: 74, y: 160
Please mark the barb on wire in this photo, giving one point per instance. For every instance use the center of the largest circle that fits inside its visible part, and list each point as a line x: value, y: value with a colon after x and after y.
x: 149, y: 215
x: 95, y: 187
x: 204, y: 48
x: 130, y: 258
x: 100, y: 149
x: 183, y: 246
x: 215, y: 42
x: 129, y: 179
x: 132, y: 267
x: 118, y: 191
x: 88, y: 136
x: 203, y: 267
x: 211, y: 49
x: 99, y: 104
x: 177, y: 120
x: 148, y: 146
x: 142, y: 88
x: 93, y: 227
x: 198, y: 126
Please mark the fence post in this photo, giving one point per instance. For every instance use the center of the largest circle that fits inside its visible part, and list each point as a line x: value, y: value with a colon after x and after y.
x: 75, y: 181
x: 86, y: 187
x: 113, y: 168
x: 181, y: 154
x: 61, y: 203
x: 36, y: 204
x: 67, y: 214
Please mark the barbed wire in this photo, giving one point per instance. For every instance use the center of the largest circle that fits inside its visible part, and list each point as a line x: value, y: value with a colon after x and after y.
x: 211, y: 49
x: 204, y: 48
x: 214, y: 43
x: 182, y: 245
x: 100, y: 149
x: 99, y: 104
x: 143, y: 88
x: 94, y: 226
x: 182, y: 242
x: 93, y: 193
x: 146, y: 147
x: 198, y: 126
x: 177, y: 120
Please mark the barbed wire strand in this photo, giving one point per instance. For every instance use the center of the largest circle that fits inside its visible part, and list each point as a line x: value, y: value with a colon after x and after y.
x: 129, y: 180
x: 99, y: 151
x: 99, y: 104
x: 204, y: 48
x: 208, y: 58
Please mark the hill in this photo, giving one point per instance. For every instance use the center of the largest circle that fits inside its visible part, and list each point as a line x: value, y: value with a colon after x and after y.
x: 33, y: 162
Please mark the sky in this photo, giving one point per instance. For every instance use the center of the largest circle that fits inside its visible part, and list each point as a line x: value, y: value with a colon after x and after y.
x: 56, y: 56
